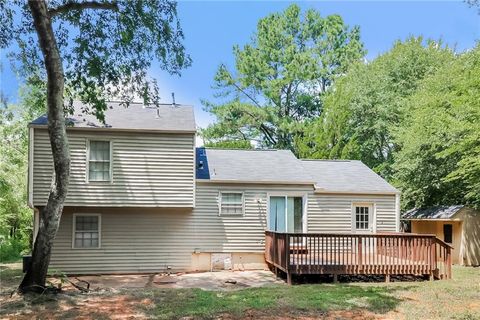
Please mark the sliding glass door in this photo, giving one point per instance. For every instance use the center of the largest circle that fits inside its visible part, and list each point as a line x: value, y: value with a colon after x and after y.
x: 285, y: 214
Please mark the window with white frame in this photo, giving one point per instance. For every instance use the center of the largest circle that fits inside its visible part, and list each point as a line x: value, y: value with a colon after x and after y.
x: 86, y: 231
x: 362, y: 217
x: 231, y: 203
x: 99, y: 163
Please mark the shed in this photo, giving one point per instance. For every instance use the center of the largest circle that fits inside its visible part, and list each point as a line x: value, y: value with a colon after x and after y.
x: 457, y: 225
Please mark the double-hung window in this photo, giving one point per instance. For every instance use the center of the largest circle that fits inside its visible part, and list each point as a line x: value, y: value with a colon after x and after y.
x: 99, y: 162
x: 86, y: 231
x: 231, y: 203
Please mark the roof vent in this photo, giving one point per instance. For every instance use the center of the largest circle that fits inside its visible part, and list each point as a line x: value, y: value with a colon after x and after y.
x: 173, y: 100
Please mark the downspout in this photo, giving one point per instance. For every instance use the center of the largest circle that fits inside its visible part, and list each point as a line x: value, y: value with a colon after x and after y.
x: 36, y: 217
x: 397, y: 212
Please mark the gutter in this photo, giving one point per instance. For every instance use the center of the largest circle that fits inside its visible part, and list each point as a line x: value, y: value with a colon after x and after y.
x: 255, y: 182
x: 320, y: 190
x: 105, y: 129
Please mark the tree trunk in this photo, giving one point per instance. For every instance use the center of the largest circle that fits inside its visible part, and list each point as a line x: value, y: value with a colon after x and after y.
x: 35, y: 277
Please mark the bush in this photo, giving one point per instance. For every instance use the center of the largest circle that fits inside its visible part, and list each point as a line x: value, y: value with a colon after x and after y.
x: 11, y: 249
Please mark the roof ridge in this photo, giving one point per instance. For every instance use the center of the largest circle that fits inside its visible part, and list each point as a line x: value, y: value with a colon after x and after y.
x: 240, y: 149
x: 331, y: 160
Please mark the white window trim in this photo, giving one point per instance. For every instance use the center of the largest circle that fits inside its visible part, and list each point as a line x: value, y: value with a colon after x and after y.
x: 286, y: 194
x: 74, y: 229
x: 230, y: 214
x: 87, y: 172
x: 373, y: 216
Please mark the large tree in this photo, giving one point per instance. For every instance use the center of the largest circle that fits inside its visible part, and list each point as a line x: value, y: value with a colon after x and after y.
x: 91, y: 51
x: 364, y: 107
x: 280, y: 77
x: 439, y: 159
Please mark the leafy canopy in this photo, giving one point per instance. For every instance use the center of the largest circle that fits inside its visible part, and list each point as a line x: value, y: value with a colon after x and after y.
x: 439, y: 158
x: 280, y: 77
x: 363, y: 108
x: 106, y: 47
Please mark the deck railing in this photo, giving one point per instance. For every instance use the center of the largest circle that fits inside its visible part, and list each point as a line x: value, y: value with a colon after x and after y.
x: 381, y: 253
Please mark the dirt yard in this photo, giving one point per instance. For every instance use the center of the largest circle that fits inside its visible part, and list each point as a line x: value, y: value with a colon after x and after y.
x: 243, y: 295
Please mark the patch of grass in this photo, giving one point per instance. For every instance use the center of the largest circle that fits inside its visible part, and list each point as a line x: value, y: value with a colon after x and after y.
x: 458, y: 298
x: 176, y: 303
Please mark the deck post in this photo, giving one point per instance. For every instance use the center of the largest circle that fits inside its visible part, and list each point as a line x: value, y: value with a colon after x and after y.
x: 449, y: 263
x: 335, y: 278
x: 387, y: 278
x: 360, y: 254
x: 289, y: 278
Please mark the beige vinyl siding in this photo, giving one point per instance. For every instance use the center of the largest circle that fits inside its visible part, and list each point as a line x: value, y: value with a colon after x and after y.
x: 148, y: 169
x: 333, y: 212
x: 150, y: 239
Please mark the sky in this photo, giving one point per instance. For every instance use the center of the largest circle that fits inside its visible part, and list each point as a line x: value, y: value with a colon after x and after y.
x: 213, y: 28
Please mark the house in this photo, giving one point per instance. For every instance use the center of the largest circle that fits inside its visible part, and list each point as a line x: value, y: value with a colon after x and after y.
x: 142, y: 198
x: 457, y: 225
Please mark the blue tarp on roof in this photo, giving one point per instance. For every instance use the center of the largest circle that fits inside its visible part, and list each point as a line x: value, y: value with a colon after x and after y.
x: 201, y: 167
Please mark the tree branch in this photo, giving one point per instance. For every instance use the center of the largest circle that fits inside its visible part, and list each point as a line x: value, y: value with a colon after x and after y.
x: 70, y: 6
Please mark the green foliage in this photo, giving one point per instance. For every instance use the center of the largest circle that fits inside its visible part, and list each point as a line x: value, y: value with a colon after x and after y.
x: 11, y: 249
x: 15, y: 216
x: 280, y: 77
x: 363, y: 108
x: 439, y: 158
x: 230, y: 144
x: 106, y: 53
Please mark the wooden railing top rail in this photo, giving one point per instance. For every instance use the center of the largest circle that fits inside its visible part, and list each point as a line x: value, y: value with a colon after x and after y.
x: 443, y: 243
x: 346, y: 234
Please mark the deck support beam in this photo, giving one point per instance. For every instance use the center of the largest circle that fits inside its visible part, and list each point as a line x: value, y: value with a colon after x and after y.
x: 289, y: 278
x: 387, y: 278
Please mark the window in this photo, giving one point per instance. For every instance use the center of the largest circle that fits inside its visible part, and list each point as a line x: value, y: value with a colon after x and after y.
x: 285, y: 214
x: 231, y: 203
x: 99, y: 161
x: 363, y: 217
x: 86, y: 231
x: 448, y: 233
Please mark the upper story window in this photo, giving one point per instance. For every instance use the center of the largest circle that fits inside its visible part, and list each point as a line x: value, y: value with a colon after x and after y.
x: 231, y: 203
x: 99, y: 162
x: 86, y: 231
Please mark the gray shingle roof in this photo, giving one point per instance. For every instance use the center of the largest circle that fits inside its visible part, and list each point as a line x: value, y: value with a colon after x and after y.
x: 281, y: 166
x: 176, y: 118
x: 277, y: 166
x: 346, y: 176
x: 437, y: 212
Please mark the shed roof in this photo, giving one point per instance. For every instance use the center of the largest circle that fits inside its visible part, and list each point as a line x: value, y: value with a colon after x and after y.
x: 272, y: 166
x: 349, y: 176
x: 178, y: 118
x: 437, y: 212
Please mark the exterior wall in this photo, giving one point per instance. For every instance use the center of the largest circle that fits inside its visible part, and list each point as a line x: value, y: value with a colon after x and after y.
x: 471, y: 237
x: 152, y: 239
x: 333, y: 212
x: 436, y: 228
x: 148, y: 169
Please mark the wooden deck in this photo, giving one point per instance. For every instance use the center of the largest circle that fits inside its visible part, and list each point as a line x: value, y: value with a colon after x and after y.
x: 358, y: 254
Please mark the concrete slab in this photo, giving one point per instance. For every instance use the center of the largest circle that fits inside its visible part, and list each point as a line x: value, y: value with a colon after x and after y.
x: 219, y: 280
